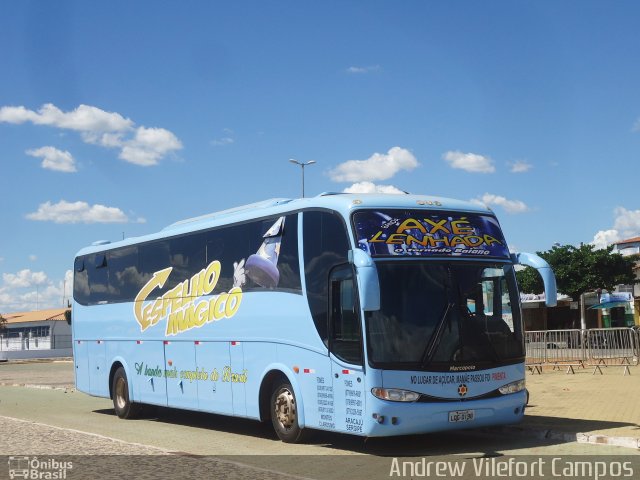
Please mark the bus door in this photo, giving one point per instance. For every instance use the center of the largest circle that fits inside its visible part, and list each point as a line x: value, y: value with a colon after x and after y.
x: 182, y: 375
x: 345, y: 345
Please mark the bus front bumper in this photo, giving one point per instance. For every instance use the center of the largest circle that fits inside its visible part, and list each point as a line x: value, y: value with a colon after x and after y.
x: 387, y: 418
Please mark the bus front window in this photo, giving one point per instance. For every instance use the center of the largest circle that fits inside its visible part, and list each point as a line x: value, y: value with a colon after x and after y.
x: 434, y: 315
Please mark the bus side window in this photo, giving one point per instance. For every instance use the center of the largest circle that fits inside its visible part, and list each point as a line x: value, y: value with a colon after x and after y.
x: 153, y: 257
x: 98, y: 278
x: 187, y: 256
x: 289, y: 261
x: 346, y: 343
x: 80, y: 282
x: 124, y: 276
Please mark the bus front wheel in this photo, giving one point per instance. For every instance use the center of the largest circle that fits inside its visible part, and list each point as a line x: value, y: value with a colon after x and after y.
x: 123, y: 406
x: 284, y: 414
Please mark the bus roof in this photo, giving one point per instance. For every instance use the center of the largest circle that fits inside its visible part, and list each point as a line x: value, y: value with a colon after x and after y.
x: 341, y: 202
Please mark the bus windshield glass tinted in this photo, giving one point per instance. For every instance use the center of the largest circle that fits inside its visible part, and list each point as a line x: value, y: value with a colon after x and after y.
x: 394, y: 233
x: 437, y: 315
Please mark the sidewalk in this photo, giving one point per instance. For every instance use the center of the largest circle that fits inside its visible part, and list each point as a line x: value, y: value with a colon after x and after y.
x: 584, y: 407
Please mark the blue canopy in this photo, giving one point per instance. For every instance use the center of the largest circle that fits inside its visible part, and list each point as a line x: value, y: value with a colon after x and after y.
x: 608, y: 305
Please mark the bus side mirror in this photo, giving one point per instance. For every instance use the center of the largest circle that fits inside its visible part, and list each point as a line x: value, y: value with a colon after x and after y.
x: 545, y: 271
x: 367, y: 276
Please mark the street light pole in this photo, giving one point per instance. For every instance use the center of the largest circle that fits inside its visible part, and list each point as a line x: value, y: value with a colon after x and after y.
x: 302, y: 164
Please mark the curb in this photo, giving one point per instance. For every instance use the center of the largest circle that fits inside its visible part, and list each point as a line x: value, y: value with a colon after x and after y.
x: 66, y: 389
x: 567, y: 437
x: 627, y: 442
x: 20, y: 361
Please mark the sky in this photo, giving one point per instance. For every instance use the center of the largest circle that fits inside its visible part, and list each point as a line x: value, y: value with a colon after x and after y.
x: 119, y: 118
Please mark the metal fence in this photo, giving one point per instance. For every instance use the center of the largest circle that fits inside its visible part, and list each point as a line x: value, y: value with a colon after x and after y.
x: 597, y: 348
x: 12, y: 342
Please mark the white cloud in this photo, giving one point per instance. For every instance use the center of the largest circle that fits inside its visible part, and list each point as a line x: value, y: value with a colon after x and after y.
x: 139, y: 145
x: 368, y: 187
x: 604, y: 238
x: 361, y: 70
x: 77, y: 212
x: 27, y: 290
x: 627, y: 221
x: 221, y: 142
x: 470, y: 162
x: 33, y: 258
x: 510, y: 206
x: 636, y: 126
x: 85, y: 118
x: 520, y: 166
x: 149, y: 145
x: 54, y: 159
x: 227, y: 139
x: 378, y: 166
x: 24, y: 278
x: 626, y: 225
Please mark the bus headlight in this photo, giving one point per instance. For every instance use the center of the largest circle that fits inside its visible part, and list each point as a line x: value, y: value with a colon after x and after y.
x: 395, y: 394
x: 512, y: 387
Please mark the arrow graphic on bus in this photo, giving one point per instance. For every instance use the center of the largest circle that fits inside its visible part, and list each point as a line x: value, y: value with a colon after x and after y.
x: 157, y: 281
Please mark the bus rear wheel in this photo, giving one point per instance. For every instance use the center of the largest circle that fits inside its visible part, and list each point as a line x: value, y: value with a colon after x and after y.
x: 123, y: 406
x: 284, y: 414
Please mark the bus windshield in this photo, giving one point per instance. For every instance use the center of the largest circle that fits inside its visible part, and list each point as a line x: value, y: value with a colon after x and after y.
x: 436, y: 315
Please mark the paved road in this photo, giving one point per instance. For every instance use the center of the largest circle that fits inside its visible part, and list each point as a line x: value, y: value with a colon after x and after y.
x: 61, y: 421
x: 55, y: 422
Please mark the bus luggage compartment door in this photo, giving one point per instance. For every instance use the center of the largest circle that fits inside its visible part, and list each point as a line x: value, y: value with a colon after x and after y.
x: 182, y: 376
x: 214, y: 394
x: 98, y: 373
x: 236, y: 375
x: 149, y: 383
x: 81, y: 361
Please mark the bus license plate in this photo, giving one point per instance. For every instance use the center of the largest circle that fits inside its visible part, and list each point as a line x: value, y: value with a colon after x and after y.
x: 462, y: 415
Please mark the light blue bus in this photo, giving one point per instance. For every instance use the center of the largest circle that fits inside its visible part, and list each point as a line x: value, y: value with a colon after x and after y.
x: 374, y: 315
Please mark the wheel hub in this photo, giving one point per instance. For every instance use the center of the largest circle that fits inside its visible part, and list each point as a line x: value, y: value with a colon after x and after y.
x: 120, y: 393
x: 285, y: 408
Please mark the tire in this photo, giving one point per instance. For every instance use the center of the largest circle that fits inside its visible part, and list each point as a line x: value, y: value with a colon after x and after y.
x: 124, y: 407
x: 284, y: 413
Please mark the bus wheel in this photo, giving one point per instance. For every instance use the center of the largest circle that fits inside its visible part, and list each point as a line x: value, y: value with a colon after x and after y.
x: 120, y: 388
x: 284, y: 414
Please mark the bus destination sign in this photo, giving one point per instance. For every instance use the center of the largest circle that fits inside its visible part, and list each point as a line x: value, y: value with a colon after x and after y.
x: 392, y: 233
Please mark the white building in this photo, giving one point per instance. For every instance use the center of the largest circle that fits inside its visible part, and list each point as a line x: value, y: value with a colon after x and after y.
x: 626, y: 248
x: 37, y: 334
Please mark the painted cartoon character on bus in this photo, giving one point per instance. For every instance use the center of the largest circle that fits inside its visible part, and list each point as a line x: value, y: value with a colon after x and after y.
x: 262, y: 267
x: 184, y: 307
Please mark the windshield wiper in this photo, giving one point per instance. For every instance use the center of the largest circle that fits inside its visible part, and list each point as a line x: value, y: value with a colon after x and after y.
x: 435, y: 339
x: 431, y: 347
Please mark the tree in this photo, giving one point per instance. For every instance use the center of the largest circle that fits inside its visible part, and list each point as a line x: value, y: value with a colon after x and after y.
x: 581, y: 269
x: 3, y: 322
